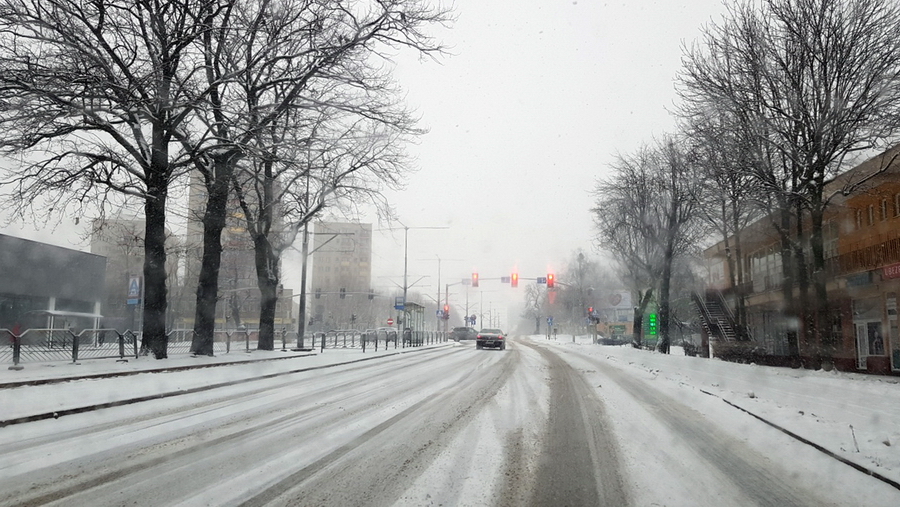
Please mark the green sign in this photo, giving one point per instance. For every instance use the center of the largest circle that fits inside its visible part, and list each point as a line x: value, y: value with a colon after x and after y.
x: 651, y: 324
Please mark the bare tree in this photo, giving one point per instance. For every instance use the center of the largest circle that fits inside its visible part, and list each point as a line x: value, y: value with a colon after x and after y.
x: 266, y: 63
x: 535, y: 305
x: 316, y: 157
x: 679, y: 229
x: 814, y: 81
x: 646, y: 217
x: 92, y: 94
x: 624, y: 225
x: 727, y: 199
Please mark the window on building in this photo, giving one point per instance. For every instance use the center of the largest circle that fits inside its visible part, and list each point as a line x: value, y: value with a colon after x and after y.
x: 859, y: 219
x: 830, y: 239
x: 897, y: 205
x: 884, y: 212
x: 871, y: 214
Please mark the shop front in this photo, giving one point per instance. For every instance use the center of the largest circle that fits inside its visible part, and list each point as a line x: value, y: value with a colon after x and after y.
x: 890, y: 276
x: 874, y: 301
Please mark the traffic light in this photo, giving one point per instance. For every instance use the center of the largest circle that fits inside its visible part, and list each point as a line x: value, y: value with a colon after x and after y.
x: 474, y: 279
x: 551, y: 280
x: 446, y: 311
x: 343, y: 293
x: 651, y: 324
x: 590, y: 310
x: 514, y: 280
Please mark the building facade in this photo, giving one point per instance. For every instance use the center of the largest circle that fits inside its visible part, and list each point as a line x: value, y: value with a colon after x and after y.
x: 41, y: 281
x: 122, y: 243
x: 861, y: 235
x: 341, y: 279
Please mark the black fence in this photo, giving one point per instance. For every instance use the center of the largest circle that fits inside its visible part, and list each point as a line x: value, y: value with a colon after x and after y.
x: 47, y: 345
x: 375, y: 339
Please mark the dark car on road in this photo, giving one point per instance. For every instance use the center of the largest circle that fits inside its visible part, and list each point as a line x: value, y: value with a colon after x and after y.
x: 462, y: 333
x: 490, y: 338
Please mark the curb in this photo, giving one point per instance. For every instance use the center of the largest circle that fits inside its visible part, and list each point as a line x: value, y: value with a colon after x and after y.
x: 56, y: 380
x: 89, y: 408
x: 857, y: 466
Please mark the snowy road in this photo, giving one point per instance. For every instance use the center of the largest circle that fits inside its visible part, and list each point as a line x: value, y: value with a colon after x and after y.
x: 537, y: 424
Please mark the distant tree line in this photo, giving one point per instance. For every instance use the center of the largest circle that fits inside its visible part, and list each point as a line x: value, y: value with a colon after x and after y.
x: 777, y: 98
x: 286, y: 107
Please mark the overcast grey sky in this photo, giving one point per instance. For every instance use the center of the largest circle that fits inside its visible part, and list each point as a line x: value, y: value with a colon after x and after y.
x: 530, y: 109
x: 526, y: 113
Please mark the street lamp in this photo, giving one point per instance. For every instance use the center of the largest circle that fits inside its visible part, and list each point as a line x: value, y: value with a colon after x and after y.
x: 406, y: 229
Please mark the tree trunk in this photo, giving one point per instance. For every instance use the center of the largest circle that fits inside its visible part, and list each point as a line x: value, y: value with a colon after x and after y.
x: 739, y: 292
x: 664, y: 284
x: 803, y: 306
x: 208, y: 282
x: 267, y: 278
x: 787, y: 284
x: 154, y: 314
x: 820, y: 310
x: 638, y: 331
x: 154, y: 317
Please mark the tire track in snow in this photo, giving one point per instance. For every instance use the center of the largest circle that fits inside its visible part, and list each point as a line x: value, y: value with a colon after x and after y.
x: 579, y: 463
x: 146, y: 464
x: 345, y: 476
x: 752, y: 473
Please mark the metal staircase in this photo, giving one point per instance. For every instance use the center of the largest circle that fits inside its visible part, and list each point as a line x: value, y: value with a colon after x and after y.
x: 716, y: 317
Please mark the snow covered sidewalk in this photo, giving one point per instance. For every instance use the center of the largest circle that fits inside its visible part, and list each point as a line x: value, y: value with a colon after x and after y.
x: 854, y: 416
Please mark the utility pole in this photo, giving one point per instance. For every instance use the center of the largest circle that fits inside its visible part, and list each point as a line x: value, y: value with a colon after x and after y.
x: 406, y: 229
x: 301, y: 325
x: 439, y: 307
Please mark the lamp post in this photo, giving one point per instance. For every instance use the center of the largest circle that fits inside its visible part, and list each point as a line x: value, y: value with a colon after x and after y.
x: 406, y: 229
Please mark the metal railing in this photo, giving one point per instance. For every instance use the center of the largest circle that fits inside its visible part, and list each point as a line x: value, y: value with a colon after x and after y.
x: 374, y: 338
x: 43, y: 345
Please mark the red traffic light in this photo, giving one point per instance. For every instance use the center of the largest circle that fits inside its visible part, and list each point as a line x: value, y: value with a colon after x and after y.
x: 551, y: 280
x: 446, y: 311
x: 514, y: 280
x: 474, y: 279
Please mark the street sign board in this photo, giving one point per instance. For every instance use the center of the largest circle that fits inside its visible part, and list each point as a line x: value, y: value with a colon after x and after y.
x: 504, y: 279
x: 134, y: 290
x: 390, y: 321
x: 398, y: 303
x: 542, y: 279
